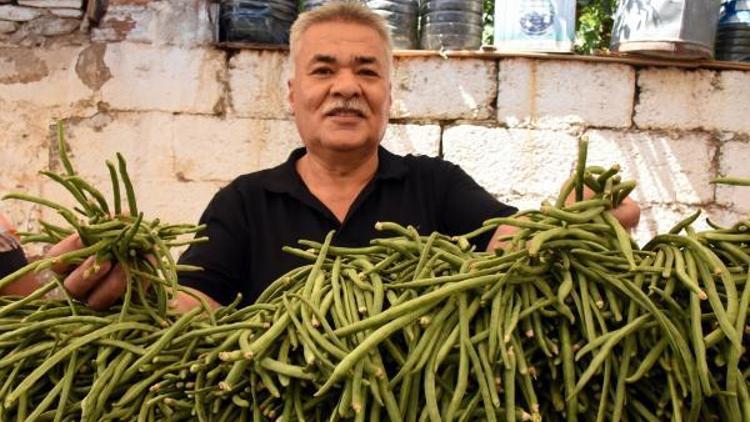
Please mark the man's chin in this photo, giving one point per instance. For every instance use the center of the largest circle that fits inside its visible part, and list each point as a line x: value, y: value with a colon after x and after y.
x: 346, y: 145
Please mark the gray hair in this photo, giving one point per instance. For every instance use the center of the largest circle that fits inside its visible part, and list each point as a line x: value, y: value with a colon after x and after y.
x: 339, y: 11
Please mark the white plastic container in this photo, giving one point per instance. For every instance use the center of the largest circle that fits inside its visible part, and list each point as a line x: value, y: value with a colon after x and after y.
x: 535, y: 25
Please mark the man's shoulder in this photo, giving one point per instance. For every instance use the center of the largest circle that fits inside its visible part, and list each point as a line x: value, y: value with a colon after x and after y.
x: 425, y: 165
x: 259, y: 180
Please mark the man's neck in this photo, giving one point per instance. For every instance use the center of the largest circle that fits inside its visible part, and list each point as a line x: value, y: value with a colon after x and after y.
x: 339, y: 170
x: 337, y: 181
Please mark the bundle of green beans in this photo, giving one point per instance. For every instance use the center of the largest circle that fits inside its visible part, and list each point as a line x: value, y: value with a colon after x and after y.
x: 60, y: 360
x: 570, y: 320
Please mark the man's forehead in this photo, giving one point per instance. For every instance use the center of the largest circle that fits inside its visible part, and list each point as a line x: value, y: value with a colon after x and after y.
x: 330, y: 39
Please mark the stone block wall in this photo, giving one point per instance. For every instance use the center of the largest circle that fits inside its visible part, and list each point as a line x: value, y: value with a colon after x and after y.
x: 33, y: 22
x: 190, y: 117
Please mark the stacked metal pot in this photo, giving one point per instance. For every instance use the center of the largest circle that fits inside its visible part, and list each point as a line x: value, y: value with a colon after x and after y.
x: 451, y: 24
x: 733, y: 35
x: 402, y: 17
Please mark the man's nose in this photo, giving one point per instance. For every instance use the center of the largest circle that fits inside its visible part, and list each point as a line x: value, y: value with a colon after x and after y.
x: 346, y: 85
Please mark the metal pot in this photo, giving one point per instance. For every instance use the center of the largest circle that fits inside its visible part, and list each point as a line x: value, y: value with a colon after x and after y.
x: 452, y: 25
x: 668, y: 28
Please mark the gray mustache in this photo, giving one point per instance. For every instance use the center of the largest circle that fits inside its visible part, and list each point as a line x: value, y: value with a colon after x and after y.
x: 349, y: 105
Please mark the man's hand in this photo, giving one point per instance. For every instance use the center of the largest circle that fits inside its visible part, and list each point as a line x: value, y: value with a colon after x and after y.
x: 98, y: 286
x: 101, y: 285
x: 628, y: 213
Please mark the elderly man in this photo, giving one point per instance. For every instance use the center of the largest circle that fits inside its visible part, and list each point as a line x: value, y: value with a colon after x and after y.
x: 343, y: 180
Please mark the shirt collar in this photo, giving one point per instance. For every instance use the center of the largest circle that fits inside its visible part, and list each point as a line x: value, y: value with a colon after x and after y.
x: 285, y: 179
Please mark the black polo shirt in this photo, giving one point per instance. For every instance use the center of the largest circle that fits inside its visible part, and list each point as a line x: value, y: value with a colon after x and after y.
x: 252, y: 218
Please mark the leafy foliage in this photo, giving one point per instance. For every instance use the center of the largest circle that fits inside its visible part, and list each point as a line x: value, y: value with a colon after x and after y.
x: 488, y: 35
x: 594, y: 31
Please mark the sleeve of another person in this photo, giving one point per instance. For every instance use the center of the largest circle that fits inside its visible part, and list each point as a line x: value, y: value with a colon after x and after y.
x: 466, y: 204
x: 223, y: 257
x: 12, y: 256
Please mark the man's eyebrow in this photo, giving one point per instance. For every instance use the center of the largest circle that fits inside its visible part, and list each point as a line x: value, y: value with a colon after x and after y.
x: 360, y: 60
x: 324, y: 58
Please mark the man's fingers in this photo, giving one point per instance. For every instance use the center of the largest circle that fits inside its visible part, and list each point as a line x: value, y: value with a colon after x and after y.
x: 587, y: 193
x: 108, y: 291
x: 69, y: 244
x: 628, y: 213
x: 85, y: 277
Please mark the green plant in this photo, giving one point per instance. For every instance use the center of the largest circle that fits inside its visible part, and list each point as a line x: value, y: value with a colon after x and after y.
x: 488, y: 35
x: 594, y: 29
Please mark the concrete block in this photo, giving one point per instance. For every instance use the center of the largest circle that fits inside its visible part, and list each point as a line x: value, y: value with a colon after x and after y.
x: 733, y: 161
x: 170, y: 200
x: 444, y: 89
x: 212, y: 149
x: 23, y: 142
x: 660, y: 218
x: 258, y: 84
x: 692, y: 99
x: 413, y: 139
x: 75, y: 4
x: 144, y: 139
x: 726, y: 217
x: 123, y: 22
x: 174, y: 201
x: 512, y: 163
x: 52, y: 26
x: 163, y: 78
x: 6, y: 27
x: 67, y: 13
x: 279, y: 139
x: 557, y: 94
x: 186, y: 23
x: 44, y: 77
x: 19, y: 13
x: 669, y: 168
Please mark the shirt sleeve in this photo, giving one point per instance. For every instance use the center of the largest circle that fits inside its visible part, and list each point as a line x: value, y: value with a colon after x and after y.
x: 466, y: 204
x: 12, y: 257
x: 223, y: 257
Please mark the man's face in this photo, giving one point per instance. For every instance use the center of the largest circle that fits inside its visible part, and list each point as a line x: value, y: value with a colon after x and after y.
x: 340, y: 90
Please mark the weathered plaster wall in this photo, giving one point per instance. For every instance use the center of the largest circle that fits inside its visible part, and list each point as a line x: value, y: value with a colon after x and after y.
x: 190, y: 117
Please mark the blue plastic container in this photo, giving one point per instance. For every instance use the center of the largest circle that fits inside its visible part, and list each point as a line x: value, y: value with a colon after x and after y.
x: 257, y: 21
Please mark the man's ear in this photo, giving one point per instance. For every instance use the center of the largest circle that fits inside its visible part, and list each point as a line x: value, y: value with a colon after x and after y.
x: 290, y: 94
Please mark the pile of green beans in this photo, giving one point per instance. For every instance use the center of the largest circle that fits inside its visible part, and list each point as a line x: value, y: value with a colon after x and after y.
x: 140, y: 246
x: 60, y: 360
x: 570, y: 320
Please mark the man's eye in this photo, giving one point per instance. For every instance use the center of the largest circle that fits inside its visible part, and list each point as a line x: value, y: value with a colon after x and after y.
x: 322, y: 71
x: 368, y: 72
